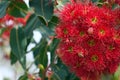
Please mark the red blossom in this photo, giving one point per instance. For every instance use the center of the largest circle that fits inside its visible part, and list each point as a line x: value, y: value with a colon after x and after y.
x: 116, y: 36
x: 94, y: 62
x: 8, y: 22
x: 66, y: 31
x: 117, y: 1
x: 90, y: 39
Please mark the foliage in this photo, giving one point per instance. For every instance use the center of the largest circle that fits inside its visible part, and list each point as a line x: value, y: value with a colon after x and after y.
x: 43, y: 19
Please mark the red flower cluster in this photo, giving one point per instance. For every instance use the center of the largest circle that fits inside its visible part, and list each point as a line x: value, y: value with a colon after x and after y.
x: 8, y: 22
x: 117, y: 1
x: 90, y: 39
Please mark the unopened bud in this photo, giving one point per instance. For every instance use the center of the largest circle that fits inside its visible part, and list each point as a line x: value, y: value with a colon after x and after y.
x: 40, y: 66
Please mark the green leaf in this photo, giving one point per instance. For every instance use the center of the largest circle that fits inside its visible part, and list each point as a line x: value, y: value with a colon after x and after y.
x: 117, y: 74
x: 53, y: 22
x: 72, y: 76
x: 46, y: 31
x: 53, y: 47
x: 107, y: 77
x: 18, y: 44
x: 95, y: 0
x: 61, y: 72
x: 24, y: 77
x: 42, y: 20
x: 23, y: 62
x: 32, y: 23
x: 13, y: 58
x: 40, y: 53
x: 43, y: 8
x: 17, y: 9
x: 3, y: 6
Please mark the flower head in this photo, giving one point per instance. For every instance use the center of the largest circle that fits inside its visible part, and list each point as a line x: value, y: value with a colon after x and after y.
x: 90, y: 39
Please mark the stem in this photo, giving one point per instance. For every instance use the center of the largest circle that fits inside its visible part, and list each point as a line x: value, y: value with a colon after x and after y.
x: 45, y: 71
